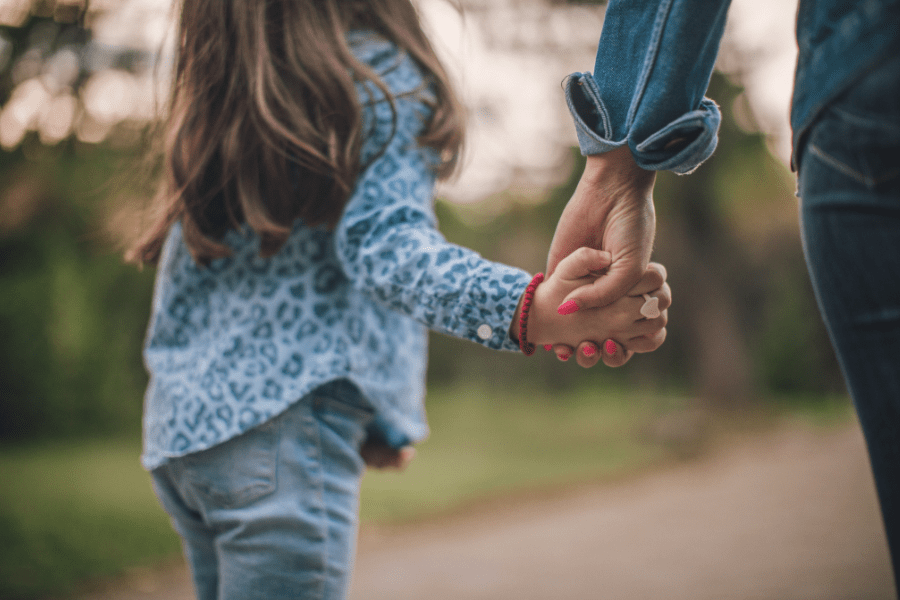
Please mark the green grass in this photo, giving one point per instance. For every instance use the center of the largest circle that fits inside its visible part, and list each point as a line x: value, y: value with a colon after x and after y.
x: 72, y: 512
x: 819, y: 411
x: 488, y: 444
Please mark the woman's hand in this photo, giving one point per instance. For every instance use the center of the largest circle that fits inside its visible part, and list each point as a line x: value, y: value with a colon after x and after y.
x: 611, y: 209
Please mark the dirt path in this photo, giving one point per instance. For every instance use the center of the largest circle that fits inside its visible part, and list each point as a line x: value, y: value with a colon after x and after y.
x: 789, y: 516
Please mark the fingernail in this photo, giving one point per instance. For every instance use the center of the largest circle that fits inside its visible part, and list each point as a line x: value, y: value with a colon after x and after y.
x: 568, y: 308
x: 610, y: 347
x: 589, y: 351
x: 548, y: 347
x: 564, y: 357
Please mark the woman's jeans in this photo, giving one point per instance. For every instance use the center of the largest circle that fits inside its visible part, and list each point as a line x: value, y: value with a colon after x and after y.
x: 850, y: 190
x: 272, y: 513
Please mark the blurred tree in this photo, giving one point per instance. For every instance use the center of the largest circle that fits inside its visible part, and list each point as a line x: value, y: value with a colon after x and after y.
x: 71, y: 315
x: 58, y: 84
x: 745, y: 320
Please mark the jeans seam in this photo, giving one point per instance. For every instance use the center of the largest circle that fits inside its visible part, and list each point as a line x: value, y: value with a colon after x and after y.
x: 862, y: 121
x: 659, y: 26
x: 849, y: 171
x: 589, y: 88
x: 314, y: 429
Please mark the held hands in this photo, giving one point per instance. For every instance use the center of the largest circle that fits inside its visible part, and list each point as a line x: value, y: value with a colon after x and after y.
x: 553, y: 320
x: 612, y: 209
x: 651, y: 290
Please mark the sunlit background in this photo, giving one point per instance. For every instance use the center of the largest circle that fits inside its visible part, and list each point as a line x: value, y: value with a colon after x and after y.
x: 80, y: 86
x: 508, y: 58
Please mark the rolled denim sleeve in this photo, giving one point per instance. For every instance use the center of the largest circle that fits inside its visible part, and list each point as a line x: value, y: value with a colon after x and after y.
x: 654, y: 63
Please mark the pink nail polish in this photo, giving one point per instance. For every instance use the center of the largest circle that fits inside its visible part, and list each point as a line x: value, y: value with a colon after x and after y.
x: 568, y: 308
x: 548, y: 347
x: 589, y: 351
x: 610, y: 347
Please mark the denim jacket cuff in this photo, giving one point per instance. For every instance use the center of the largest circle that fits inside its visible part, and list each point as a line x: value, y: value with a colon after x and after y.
x: 693, y: 138
x: 592, y: 124
x: 695, y: 133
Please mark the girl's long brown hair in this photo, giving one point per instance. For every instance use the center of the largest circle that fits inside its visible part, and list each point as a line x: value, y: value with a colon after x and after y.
x: 265, y: 126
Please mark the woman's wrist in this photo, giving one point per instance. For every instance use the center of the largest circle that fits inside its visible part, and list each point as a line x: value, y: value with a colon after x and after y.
x: 618, y: 164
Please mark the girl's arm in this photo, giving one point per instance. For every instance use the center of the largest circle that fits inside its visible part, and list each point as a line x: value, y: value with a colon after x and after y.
x: 390, y: 246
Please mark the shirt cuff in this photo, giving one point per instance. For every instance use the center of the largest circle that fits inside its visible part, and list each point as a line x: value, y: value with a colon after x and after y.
x: 486, y: 316
x: 680, y: 146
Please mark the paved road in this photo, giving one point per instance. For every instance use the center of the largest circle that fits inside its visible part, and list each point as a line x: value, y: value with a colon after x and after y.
x: 790, y: 516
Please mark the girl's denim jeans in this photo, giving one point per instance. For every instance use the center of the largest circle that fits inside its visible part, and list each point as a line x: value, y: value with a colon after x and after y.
x: 850, y: 190
x: 272, y: 513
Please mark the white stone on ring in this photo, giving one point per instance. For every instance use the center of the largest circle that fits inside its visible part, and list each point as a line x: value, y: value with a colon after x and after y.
x: 650, y: 309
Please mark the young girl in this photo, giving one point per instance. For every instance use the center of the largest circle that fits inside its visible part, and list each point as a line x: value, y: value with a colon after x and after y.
x: 299, y: 266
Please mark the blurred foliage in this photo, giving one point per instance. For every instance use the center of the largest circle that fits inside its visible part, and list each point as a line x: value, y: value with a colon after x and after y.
x: 72, y: 316
x: 57, y: 83
x: 75, y: 512
x: 728, y: 233
x: 71, y: 313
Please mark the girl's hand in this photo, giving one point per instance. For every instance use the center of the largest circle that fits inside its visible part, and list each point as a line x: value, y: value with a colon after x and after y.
x: 621, y: 320
x: 383, y: 457
x: 578, y: 269
x: 612, y: 352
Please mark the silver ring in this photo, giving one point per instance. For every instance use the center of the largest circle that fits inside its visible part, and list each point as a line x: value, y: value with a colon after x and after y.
x: 650, y: 309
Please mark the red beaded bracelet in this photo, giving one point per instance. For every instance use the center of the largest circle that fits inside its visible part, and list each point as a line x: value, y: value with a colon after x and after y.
x: 526, y: 347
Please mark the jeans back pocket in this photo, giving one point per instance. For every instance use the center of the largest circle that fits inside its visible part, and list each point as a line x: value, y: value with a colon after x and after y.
x: 236, y: 472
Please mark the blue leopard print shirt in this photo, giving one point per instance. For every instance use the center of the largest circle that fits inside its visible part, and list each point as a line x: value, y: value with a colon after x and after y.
x: 236, y: 343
